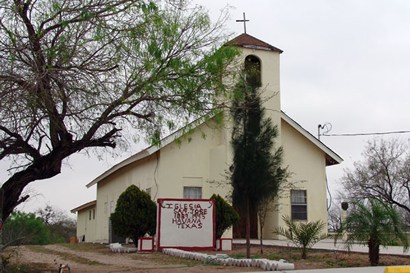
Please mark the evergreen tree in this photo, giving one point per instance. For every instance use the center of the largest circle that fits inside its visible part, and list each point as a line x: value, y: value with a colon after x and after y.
x: 135, y: 214
x: 225, y: 215
x: 257, y: 166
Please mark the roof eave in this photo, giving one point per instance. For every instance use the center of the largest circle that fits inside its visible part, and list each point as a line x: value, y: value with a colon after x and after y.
x: 84, y: 206
x: 142, y: 154
x: 331, y: 157
x: 248, y: 41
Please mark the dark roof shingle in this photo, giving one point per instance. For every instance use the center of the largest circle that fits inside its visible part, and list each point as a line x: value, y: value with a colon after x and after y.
x: 246, y: 40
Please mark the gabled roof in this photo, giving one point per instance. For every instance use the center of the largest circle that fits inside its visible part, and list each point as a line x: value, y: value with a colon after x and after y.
x: 146, y: 152
x: 248, y: 41
x: 331, y: 157
x: 140, y: 155
x: 85, y: 206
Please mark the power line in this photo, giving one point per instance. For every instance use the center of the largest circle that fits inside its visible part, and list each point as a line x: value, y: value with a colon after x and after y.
x: 365, y: 134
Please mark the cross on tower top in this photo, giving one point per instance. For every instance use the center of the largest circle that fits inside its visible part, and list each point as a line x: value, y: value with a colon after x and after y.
x: 244, y: 22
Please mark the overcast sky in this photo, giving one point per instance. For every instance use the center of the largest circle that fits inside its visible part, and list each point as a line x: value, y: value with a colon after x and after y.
x: 344, y: 62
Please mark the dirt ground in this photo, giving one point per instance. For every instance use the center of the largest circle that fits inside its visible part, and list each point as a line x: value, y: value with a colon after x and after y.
x: 100, y: 259
x: 89, y: 258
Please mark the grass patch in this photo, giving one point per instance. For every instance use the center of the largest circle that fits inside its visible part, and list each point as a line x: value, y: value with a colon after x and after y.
x: 287, y: 253
x: 238, y: 256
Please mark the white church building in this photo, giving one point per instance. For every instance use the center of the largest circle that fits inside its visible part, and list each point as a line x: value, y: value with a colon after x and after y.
x: 189, y: 167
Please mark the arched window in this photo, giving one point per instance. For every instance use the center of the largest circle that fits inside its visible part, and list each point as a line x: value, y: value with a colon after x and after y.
x: 253, y: 70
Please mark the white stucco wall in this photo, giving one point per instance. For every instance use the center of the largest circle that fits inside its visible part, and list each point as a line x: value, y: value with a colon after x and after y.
x: 86, y: 227
x: 270, y: 76
x: 139, y: 173
x: 308, y: 172
x: 196, y: 160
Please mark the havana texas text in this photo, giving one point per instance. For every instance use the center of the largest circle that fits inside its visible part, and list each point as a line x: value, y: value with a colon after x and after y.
x: 187, y: 216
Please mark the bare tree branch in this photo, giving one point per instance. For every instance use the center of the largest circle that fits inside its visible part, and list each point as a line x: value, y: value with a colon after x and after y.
x: 383, y: 174
x: 74, y: 74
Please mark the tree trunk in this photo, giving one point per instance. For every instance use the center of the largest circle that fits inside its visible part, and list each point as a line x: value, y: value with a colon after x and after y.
x: 239, y: 228
x: 248, y: 230
x: 2, y: 247
x: 135, y: 238
x: 374, y: 251
x: 261, y: 235
x: 304, y: 252
x: 42, y: 168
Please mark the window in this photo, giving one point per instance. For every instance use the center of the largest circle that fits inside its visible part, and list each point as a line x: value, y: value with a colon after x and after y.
x: 298, y: 199
x: 192, y: 192
x: 253, y: 71
x: 91, y: 214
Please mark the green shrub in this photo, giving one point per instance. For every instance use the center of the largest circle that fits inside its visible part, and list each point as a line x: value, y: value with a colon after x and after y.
x: 25, y: 228
x: 225, y: 215
x: 135, y: 214
x: 303, y: 235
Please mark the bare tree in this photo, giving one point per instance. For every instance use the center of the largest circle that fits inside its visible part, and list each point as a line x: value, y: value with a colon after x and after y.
x: 60, y: 225
x: 334, y: 219
x: 264, y: 208
x: 74, y: 74
x: 334, y: 213
x: 384, y: 174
